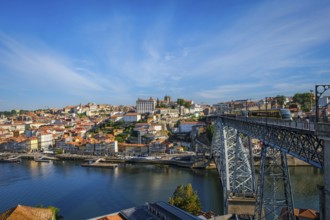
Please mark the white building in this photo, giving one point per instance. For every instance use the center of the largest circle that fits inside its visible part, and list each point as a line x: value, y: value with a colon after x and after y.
x: 145, y: 106
x: 132, y: 117
x: 156, y: 127
x: 45, y: 140
x: 195, y: 108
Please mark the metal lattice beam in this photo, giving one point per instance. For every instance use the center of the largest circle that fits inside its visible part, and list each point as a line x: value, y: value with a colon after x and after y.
x: 302, y: 144
x: 274, y: 196
x: 233, y: 163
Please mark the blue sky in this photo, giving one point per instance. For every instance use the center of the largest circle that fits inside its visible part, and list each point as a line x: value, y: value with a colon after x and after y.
x: 58, y: 53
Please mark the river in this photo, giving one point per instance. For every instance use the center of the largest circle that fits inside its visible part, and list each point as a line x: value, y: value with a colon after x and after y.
x: 82, y: 193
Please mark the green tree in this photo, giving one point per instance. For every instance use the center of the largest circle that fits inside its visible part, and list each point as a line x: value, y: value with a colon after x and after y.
x: 187, y: 104
x: 13, y: 112
x: 55, y: 211
x: 180, y: 102
x: 120, y: 138
x: 157, y: 105
x: 184, y: 197
x: 280, y: 100
x: 305, y: 100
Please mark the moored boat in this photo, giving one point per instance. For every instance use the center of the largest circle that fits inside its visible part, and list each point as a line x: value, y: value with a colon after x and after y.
x: 41, y: 159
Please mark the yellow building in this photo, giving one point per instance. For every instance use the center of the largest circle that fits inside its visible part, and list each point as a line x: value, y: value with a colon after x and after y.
x: 32, y: 144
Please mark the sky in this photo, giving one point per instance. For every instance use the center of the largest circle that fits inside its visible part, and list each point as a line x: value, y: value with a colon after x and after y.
x: 59, y: 53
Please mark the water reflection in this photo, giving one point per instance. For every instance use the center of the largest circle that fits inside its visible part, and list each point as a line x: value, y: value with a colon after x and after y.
x: 86, y: 192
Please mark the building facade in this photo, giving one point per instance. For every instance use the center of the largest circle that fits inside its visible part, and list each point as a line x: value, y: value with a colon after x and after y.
x: 132, y: 117
x: 145, y: 106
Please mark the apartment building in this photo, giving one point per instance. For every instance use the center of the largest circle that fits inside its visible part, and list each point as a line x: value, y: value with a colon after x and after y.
x: 132, y: 117
x: 145, y: 106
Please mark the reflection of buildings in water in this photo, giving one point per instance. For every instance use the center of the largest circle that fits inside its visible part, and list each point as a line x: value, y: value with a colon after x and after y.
x: 199, y: 172
x: 116, y: 173
x: 39, y: 168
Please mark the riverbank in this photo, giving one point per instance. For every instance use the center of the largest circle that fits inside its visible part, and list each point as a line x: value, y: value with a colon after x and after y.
x: 198, y: 164
x: 183, y: 160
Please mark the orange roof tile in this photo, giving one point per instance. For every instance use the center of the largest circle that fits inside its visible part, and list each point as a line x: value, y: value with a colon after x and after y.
x: 27, y: 213
x: 111, y: 217
x: 308, y: 213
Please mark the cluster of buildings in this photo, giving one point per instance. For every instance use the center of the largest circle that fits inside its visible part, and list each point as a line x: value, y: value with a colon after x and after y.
x: 146, y: 128
x: 296, y: 109
x: 43, y: 130
x: 89, y: 129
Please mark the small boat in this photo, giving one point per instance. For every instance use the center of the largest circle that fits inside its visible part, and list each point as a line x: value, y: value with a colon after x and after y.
x: 41, y: 159
x: 102, y: 165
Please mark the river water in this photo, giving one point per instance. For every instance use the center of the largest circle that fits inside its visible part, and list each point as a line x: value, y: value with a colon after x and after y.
x: 85, y: 192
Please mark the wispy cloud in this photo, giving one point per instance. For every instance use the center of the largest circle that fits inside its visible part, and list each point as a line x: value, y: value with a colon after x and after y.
x: 262, y: 48
x: 43, y: 69
x: 229, y: 91
x: 269, y: 47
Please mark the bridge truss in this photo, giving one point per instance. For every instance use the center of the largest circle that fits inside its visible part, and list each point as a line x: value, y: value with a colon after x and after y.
x: 233, y: 164
x: 300, y: 143
x: 234, y: 161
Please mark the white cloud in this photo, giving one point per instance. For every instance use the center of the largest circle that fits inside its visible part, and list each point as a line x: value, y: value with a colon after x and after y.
x: 43, y: 69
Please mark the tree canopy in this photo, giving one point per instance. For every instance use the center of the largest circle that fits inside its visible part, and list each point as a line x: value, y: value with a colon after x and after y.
x: 280, y: 100
x: 305, y: 100
x: 182, y: 102
x: 184, y: 197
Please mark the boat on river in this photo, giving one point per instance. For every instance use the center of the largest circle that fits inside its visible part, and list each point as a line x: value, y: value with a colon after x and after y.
x: 99, y: 163
x: 41, y: 159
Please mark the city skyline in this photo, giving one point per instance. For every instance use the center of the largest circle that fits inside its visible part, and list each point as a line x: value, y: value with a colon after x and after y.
x: 60, y: 53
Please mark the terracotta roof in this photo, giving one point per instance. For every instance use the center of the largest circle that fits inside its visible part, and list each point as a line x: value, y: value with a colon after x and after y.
x: 306, y: 213
x: 27, y: 213
x: 132, y: 114
x: 111, y: 217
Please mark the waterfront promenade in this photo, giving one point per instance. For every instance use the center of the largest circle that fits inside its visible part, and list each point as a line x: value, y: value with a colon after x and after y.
x: 182, y: 160
x: 169, y: 159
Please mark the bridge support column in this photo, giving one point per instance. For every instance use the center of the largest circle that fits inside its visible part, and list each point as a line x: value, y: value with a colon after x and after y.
x: 233, y: 165
x: 273, y: 200
x: 323, y: 132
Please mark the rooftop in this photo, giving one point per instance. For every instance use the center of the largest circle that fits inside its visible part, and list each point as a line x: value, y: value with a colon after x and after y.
x: 27, y: 213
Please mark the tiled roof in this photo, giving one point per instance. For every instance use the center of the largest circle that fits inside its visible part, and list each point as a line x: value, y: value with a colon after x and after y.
x: 132, y: 114
x: 112, y: 217
x: 27, y: 213
x: 306, y: 213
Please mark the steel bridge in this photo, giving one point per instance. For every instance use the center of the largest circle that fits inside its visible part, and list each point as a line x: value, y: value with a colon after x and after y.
x: 268, y: 194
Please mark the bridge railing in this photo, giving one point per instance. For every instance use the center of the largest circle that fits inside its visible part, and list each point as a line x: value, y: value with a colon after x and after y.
x: 298, y: 124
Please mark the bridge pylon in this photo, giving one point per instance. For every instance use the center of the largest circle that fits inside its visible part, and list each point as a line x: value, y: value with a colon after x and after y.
x: 234, y: 167
x: 274, y: 196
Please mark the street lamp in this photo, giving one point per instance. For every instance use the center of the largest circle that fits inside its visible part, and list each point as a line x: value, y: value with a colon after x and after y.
x: 266, y: 102
x: 311, y: 99
x: 319, y: 90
